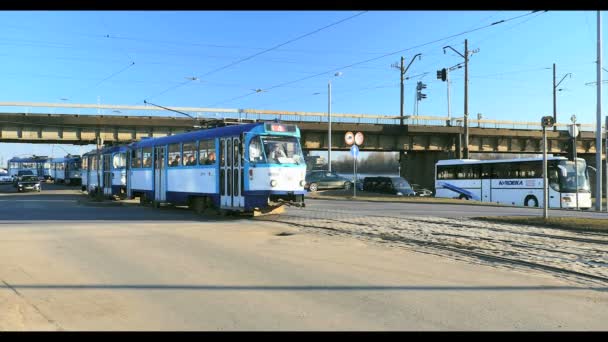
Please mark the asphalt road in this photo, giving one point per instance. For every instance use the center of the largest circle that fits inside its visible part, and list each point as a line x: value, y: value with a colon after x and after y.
x: 69, y: 266
x: 439, y: 210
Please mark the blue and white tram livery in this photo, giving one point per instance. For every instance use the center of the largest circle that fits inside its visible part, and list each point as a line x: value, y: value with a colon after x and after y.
x: 90, y: 172
x: 66, y: 170
x: 38, y: 165
x: 114, y: 162
x: 250, y: 168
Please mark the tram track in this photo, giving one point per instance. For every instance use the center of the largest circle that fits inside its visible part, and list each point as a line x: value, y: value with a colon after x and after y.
x: 466, y: 248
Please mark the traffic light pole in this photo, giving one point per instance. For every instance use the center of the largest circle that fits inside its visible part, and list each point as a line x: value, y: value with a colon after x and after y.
x: 449, y: 102
x: 466, y: 94
x: 401, y: 104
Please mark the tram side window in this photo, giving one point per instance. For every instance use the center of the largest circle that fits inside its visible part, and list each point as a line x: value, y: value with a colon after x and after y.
x: 136, y: 158
x: 206, y: 152
x: 174, y: 155
x: 189, y: 154
x: 119, y: 160
x: 147, y: 156
x: 85, y: 163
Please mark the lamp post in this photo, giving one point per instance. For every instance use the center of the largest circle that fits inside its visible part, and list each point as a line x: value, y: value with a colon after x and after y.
x: 338, y: 74
x: 573, y: 130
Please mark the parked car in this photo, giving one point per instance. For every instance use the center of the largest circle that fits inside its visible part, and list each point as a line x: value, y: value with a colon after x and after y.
x: 29, y: 183
x: 388, y: 185
x: 316, y: 180
x: 420, y: 191
x: 5, y: 178
x: 20, y: 174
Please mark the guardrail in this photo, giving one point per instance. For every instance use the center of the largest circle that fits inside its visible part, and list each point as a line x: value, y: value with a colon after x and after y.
x: 260, y: 114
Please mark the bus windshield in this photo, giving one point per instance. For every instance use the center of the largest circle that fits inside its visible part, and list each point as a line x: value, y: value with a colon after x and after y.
x: 567, y: 176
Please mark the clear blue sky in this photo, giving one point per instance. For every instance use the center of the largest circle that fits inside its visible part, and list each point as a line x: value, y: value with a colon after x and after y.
x: 50, y: 55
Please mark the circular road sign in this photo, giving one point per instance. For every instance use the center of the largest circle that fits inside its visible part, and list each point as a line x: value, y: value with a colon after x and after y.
x: 349, y: 138
x: 359, y: 138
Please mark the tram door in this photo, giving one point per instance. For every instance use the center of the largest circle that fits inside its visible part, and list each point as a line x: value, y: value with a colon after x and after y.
x: 231, y: 170
x: 160, y: 191
x: 129, y: 175
x: 107, y: 174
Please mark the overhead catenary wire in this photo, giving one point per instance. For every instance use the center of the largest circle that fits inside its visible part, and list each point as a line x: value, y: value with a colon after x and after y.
x: 380, y: 57
x: 274, y: 47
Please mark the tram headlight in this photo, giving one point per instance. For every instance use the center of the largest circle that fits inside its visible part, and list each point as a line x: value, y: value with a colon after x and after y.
x: 273, y: 183
x: 302, y: 182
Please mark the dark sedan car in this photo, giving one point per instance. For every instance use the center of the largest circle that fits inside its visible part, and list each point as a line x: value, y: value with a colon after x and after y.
x: 316, y: 180
x: 388, y: 185
x: 31, y: 183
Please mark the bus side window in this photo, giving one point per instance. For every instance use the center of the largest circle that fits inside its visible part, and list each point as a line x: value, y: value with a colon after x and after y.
x: 553, y: 176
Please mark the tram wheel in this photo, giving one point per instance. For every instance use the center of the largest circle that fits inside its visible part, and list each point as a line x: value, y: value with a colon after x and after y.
x: 199, y: 204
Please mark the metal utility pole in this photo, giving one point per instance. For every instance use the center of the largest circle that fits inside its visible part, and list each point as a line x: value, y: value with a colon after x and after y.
x: 402, y: 72
x: 99, y: 143
x: 545, y: 189
x: 466, y: 99
x: 554, y: 98
x: 606, y: 161
x: 598, y: 128
x: 329, y: 126
x: 466, y: 94
x: 555, y: 94
x: 448, y: 80
x: 546, y: 121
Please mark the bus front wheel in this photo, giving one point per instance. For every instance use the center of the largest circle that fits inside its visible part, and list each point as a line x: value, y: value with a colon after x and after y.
x: 531, y: 201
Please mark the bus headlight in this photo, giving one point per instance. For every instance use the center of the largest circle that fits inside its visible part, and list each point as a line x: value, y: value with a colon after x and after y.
x: 302, y: 182
x: 273, y: 183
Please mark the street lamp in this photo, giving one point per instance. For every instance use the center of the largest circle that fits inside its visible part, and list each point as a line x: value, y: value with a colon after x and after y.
x: 338, y: 74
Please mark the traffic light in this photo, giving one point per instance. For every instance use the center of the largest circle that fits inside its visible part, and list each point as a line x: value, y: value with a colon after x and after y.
x: 442, y: 74
x: 421, y: 96
x: 547, y: 121
x: 420, y: 86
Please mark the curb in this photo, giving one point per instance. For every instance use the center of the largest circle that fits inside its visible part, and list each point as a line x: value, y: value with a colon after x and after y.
x: 435, y: 203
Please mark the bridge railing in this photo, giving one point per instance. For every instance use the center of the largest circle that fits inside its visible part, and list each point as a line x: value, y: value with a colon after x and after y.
x: 256, y: 114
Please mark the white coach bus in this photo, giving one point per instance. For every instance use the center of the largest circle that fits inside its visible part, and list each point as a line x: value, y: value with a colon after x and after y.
x: 516, y: 182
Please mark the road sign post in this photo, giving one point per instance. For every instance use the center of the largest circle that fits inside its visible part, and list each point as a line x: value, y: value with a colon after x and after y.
x: 354, y: 151
x: 546, y: 121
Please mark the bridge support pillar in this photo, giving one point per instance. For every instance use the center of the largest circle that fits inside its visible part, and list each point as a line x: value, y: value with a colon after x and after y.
x: 418, y: 167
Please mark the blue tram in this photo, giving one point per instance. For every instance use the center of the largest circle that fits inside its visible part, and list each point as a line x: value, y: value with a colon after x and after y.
x: 249, y: 167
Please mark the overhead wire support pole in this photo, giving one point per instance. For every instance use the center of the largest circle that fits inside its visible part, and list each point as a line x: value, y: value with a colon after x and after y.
x: 403, y: 71
x: 598, y: 128
x: 466, y: 94
x: 555, y: 94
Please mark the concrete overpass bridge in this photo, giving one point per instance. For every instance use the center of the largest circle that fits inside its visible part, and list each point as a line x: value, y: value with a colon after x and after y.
x: 421, y: 141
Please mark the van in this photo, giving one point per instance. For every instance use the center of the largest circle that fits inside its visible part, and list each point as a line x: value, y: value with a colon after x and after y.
x: 389, y: 185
